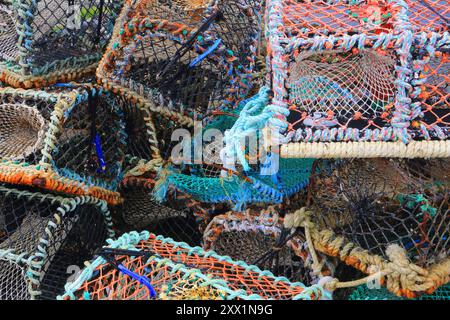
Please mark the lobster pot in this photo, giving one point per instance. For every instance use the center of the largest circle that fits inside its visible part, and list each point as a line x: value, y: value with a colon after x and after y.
x: 343, y: 74
x: 170, y: 265
x: 61, y: 40
x: 256, y: 239
x: 44, y: 239
x: 78, y: 135
x: 172, y: 218
x: 184, y: 58
x: 13, y: 283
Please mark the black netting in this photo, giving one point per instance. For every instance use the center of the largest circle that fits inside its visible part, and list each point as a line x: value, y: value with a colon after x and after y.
x: 136, y: 129
x: 92, y: 141
x: 198, y: 88
x: 146, y: 131
x: 262, y: 243
x: 79, y: 236
x: 378, y: 202
x: 140, y: 211
x: 74, y: 28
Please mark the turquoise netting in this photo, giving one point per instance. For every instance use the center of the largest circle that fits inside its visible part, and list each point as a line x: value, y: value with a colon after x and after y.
x: 292, y: 176
x: 364, y: 293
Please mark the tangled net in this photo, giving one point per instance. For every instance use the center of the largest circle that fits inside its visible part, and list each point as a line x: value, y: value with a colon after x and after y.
x: 42, y: 236
x: 165, y: 263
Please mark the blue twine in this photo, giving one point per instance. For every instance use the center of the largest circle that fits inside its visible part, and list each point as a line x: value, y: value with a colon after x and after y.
x: 208, y: 51
x: 99, y: 151
x: 142, y: 280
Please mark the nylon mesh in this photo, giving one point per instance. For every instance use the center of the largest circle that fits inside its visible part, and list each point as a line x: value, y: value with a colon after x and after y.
x: 109, y: 283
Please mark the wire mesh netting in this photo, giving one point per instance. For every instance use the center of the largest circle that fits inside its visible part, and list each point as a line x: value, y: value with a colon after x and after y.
x: 24, y: 122
x: 47, y: 40
x: 164, y: 264
x: 42, y: 236
x: 186, y: 60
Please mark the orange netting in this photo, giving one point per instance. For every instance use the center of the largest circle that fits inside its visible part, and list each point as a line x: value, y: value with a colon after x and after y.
x: 172, y: 263
x: 306, y: 19
x: 433, y: 84
x: 429, y: 15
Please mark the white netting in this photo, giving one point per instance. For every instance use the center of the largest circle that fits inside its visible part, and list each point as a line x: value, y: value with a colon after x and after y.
x: 342, y: 83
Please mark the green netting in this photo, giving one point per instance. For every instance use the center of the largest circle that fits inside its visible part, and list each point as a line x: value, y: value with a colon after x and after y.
x: 293, y: 175
x: 227, y: 117
x: 364, y: 293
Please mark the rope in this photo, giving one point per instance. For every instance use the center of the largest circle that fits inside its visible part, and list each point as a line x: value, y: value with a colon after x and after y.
x: 403, y: 277
x: 414, y: 149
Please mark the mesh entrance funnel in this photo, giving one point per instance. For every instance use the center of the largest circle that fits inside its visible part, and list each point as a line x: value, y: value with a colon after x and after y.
x: 47, y: 41
x: 43, y: 236
x: 353, y: 85
x: 177, y: 63
x: 13, y: 284
x: 171, y: 264
x: 22, y: 131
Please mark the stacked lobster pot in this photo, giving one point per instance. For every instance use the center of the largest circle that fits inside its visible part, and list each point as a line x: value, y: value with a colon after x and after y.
x: 175, y: 65
x: 160, y: 268
x: 357, y: 79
